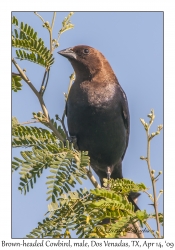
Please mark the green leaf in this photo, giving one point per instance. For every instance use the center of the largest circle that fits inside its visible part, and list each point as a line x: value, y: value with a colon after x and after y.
x: 142, y: 215
x: 26, y: 39
x: 16, y: 83
x: 66, y: 24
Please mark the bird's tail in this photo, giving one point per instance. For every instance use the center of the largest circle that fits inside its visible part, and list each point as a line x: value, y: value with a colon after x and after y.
x: 132, y: 197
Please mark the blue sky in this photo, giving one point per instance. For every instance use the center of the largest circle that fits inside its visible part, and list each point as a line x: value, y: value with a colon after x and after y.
x: 133, y: 44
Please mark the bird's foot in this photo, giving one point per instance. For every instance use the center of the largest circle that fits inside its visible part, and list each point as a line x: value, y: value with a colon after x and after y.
x: 108, y: 172
x: 73, y: 139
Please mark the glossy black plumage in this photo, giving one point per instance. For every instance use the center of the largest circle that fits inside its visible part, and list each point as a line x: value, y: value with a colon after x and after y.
x: 97, y: 111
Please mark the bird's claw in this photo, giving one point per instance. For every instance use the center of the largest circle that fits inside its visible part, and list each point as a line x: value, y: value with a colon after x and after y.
x: 108, y: 176
x: 108, y: 172
x: 73, y: 139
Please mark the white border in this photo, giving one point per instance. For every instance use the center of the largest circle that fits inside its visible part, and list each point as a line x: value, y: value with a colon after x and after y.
x: 169, y: 94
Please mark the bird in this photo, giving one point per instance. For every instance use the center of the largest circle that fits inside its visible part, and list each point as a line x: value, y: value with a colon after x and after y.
x: 97, y: 112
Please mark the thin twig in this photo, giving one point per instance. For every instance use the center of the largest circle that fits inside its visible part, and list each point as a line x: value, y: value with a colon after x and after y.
x: 25, y: 78
x: 62, y: 122
x: 151, y: 171
x: 153, y: 181
x: 150, y: 229
x: 40, y: 98
x: 151, y: 198
x: 59, y: 34
x: 97, y: 185
x: 15, y: 74
x: 29, y: 122
x: 46, y: 82
x: 39, y: 16
x: 42, y: 84
x: 53, y: 20
x: 50, y: 29
x: 50, y: 32
x: 92, y: 178
x: 74, y: 204
x: 159, y: 195
x: 72, y: 78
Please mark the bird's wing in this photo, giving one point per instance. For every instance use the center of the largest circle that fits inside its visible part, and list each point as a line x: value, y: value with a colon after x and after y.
x: 125, y: 116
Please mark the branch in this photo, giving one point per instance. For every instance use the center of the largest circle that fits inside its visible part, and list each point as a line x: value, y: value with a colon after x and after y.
x: 151, y: 171
x: 137, y: 232
x: 53, y: 20
x: 92, y: 178
x: 150, y: 229
x: 15, y: 74
x: 25, y: 78
x: 42, y: 84
x: 149, y: 195
x: 40, y: 98
x: 72, y: 78
x: 62, y: 122
x: 50, y: 29
x: 29, y: 122
x: 39, y: 16
x: 46, y: 81
x: 153, y: 182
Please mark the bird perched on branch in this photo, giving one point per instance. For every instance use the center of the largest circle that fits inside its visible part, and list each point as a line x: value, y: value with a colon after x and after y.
x: 97, y: 111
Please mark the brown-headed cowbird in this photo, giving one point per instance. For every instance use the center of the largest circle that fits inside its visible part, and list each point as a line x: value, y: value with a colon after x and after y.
x: 97, y: 111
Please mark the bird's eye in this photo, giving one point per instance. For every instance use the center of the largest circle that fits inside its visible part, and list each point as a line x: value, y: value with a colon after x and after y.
x: 86, y: 51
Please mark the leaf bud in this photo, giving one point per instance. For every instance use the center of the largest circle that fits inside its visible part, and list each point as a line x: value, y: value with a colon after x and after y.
x: 143, y: 158
x: 150, y: 115
x: 153, y: 134
x: 160, y: 127
x: 142, y: 121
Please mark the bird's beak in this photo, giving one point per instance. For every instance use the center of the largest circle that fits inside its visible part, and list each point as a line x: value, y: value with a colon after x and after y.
x: 68, y: 53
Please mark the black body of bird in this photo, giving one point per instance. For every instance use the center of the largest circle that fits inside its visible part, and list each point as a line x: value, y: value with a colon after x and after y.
x: 97, y: 111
